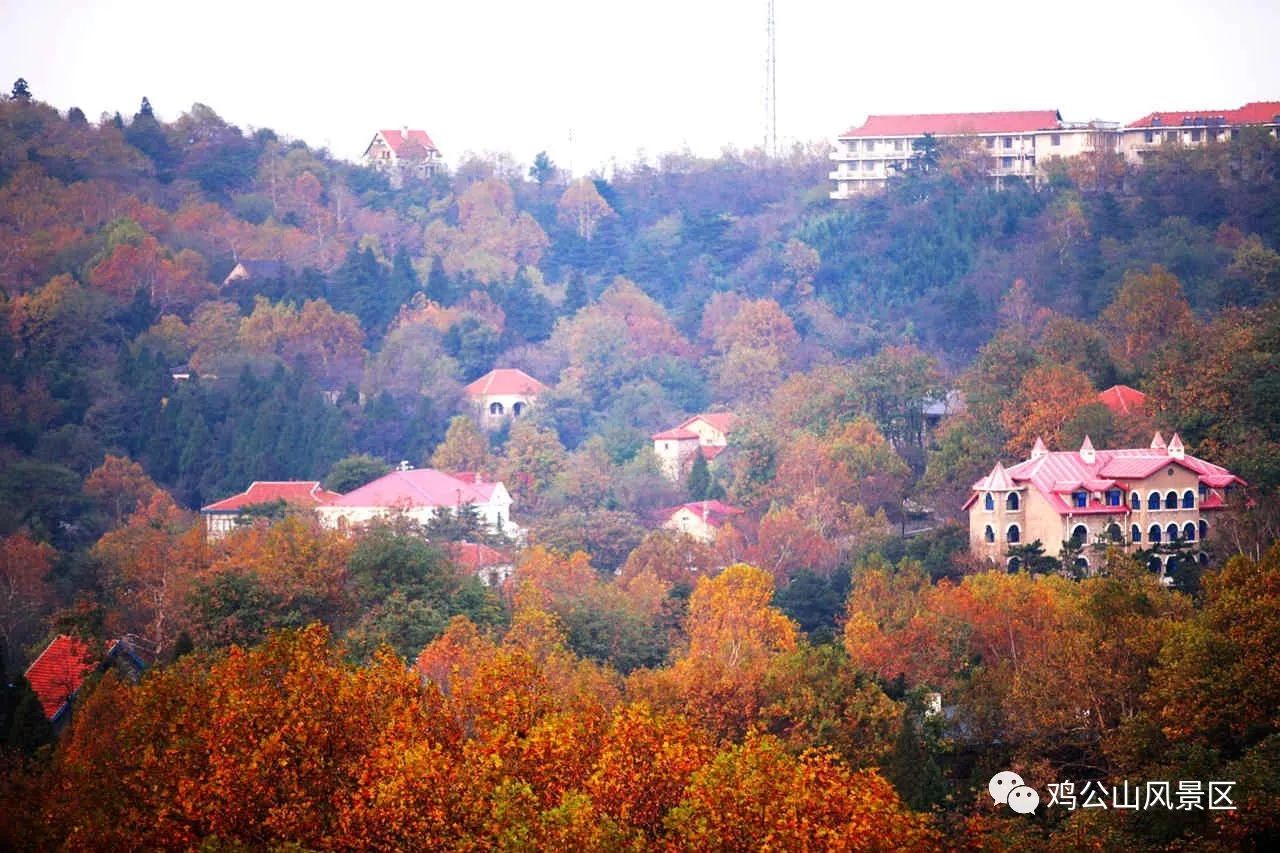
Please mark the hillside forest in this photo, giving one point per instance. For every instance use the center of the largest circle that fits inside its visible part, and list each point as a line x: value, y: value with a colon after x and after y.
x: 834, y: 671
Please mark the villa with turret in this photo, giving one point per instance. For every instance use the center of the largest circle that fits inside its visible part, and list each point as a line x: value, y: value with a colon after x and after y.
x: 1159, y: 499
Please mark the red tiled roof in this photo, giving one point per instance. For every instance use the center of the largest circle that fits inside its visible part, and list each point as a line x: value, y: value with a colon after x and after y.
x: 417, y: 487
x: 722, y: 421
x: 1257, y: 112
x: 1061, y: 472
x: 505, y: 380
x: 305, y: 493
x: 711, y: 451
x: 57, y: 674
x: 1123, y: 400
x: 952, y: 124
x: 714, y: 513
x: 475, y: 555
x: 397, y: 138
x: 677, y: 434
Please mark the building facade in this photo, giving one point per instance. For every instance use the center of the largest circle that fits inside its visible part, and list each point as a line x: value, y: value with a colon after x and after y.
x: 707, y: 433
x: 1159, y: 499
x: 226, y: 515
x: 421, y: 494
x: 502, y: 395
x: 1022, y: 144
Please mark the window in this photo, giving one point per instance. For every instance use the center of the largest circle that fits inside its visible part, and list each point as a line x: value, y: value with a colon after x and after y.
x: 1011, y: 502
x: 989, y: 534
x: 1113, y: 497
x: 1080, y: 499
x: 1204, y: 492
x: 1171, y: 500
x: 1135, y: 500
x: 1082, y: 564
x: 868, y: 165
x: 495, y: 408
x: 1014, y: 565
x: 897, y: 145
x: 1153, y: 500
x: 1188, y: 499
x: 517, y: 409
x: 1204, y: 529
x: 1171, y: 136
x: 1189, y: 532
x: 1149, y: 136
x: 1195, y: 136
x: 1055, y: 139
x: 1135, y: 533
x: 988, y: 502
x: 1153, y: 535
x: 1114, y: 533
x: 1153, y: 565
x: 1172, y: 532
x: 1013, y: 534
x: 1079, y: 535
x: 1007, y: 142
x: 1006, y: 162
x: 991, y: 142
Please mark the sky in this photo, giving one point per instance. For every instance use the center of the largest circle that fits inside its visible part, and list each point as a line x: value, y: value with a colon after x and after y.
x: 599, y: 84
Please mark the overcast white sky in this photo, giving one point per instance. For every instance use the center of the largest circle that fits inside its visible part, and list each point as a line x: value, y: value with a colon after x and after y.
x: 619, y: 79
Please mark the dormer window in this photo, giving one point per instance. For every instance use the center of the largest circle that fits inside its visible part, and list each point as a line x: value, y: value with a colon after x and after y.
x: 1080, y: 499
x: 1113, y: 497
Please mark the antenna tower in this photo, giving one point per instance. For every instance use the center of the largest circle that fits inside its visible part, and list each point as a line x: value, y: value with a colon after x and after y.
x: 770, y: 89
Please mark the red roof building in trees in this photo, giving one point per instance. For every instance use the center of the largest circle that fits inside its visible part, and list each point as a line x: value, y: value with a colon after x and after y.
x: 1123, y: 400
x: 1077, y: 503
x: 1142, y: 138
x: 57, y: 674
x: 699, y: 519
x: 398, y: 152
x: 221, y: 517
x: 503, y: 394
x: 706, y: 433
x: 420, y: 494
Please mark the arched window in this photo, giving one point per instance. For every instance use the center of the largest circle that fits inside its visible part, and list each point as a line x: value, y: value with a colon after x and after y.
x: 1172, y: 532
x: 517, y: 409
x: 1011, y: 502
x: 1153, y: 535
x: 1082, y: 564
x: 1135, y: 533
x: 1135, y: 501
x: 1153, y: 500
x: 1171, y: 500
x: 1204, y: 529
x: 1189, y: 532
x: 495, y: 408
x: 1203, y: 558
x: 989, y: 534
x: 1013, y: 534
x: 1079, y: 535
x: 1188, y: 499
x: 1015, y: 563
x: 1114, y: 533
x: 1153, y: 565
x: 988, y: 502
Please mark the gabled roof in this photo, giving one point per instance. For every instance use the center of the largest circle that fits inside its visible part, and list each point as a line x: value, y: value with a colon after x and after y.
x: 505, y: 380
x: 397, y: 138
x: 714, y: 513
x: 955, y: 124
x: 1123, y: 400
x: 475, y: 555
x: 677, y: 434
x: 57, y: 674
x: 418, y: 487
x: 1059, y: 473
x: 304, y: 493
x: 1256, y: 112
x: 722, y: 421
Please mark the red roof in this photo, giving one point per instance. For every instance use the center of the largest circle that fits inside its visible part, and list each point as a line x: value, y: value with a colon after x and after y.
x: 306, y: 493
x: 418, y: 487
x: 474, y: 555
x: 1257, y: 112
x: 57, y: 674
x: 1060, y: 473
x: 1123, y: 400
x: 677, y: 434
x: 722, y: 421
x: 396, y: 139
x: 505, y: 380
x: 714, y: 513
x: 956, y: 124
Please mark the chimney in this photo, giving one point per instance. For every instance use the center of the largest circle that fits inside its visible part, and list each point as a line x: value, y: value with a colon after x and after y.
x: 404, y: 465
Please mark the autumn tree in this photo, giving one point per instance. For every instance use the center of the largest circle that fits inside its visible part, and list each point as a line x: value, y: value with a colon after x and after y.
x: 1047, y: 399
x: 582, y: 208
x: 121, y: 486
x: 25, y: 591
x: 1149, y: 312
x: 465, y: 447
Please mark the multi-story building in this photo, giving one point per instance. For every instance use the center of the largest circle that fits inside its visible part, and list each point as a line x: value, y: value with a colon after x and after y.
x: 503, y: 394
x: 1021, y: 144
x: 707, y: 433
x: 1159, y: 499
x: 401, y: 152
x: 1142, y: 138
x: 1012, y: 144
x: 421, y: 494
x: 226, y: 515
